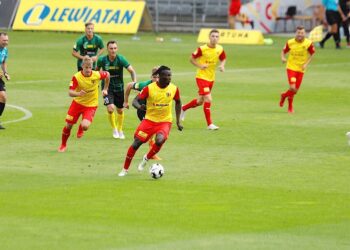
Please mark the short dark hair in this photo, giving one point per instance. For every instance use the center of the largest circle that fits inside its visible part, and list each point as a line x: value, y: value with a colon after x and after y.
x: 213, y: 31
x: 3, y: 34
x: 110, y: 42
x: 88, y: 23
x: 300, y: 27
x: 161, y: 69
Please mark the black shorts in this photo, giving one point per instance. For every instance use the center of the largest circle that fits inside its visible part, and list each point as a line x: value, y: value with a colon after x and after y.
x: 333, y: 17
x: 2, y: 85
x: 116, y: 98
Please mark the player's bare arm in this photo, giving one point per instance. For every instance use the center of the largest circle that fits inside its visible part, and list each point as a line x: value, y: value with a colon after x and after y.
x: 178, y: 112
x: 4, y: 70
x: 132, y: 73
x: 127, y: 94
x: 136, y: 104
x: 222, y: 66
x: 198, y: 65
x: 308, y: 61
x: 105, y: 88
x: 77, y: 55
x: 73, y: 93
x: 100, y: 52
x: 283, y: 57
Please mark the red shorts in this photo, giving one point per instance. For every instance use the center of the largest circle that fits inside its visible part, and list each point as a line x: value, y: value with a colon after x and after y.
x: 76, y: 109
x: 204, y: 86
x: 295, y: 77
x: 147, y: 129
x: 235, y: 7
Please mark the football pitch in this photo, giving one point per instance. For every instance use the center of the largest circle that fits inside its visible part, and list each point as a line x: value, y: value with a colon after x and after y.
x: 265, y: 180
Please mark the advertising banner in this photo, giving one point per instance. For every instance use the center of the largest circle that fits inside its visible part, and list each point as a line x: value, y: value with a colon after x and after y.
x: 263, y: 13
x: 65, y: 15
x: 229, y: 36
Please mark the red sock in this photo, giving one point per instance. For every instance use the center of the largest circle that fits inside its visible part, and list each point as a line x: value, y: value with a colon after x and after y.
x: 290, y: 100
x: 191, y: 104
x: 80, y: 129
x: 207, y: 113
x: 65, y: 135
x: 154, y: 150
x: 288, y: 93
x: 129, y: 155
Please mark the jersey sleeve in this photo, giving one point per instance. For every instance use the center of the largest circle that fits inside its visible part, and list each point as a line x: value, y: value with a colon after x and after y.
x: 77, y: 44
x: 197, y: 53
x: 144, y: 93
x: 141, y: 85
x: 6, y: 55
x: 100, y: 45
x: 103, y: 74
x: 311, y: 49
x: 73, y: 83
x: 222, y: 55
x: 124, y: 62
x: 177, y: 94
x: 286, y: 48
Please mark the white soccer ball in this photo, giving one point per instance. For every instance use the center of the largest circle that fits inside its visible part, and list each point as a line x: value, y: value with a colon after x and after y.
x: 156, y: 171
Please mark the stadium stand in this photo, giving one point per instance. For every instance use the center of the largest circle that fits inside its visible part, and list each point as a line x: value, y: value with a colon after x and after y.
x: 187, y: 15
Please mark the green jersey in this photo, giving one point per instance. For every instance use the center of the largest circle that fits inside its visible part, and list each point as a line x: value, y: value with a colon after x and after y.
x: 141, y: 85
x: 115, y: 69
x: 88, y: 47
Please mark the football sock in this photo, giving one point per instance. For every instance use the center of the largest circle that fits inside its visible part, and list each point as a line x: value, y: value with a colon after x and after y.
x: 336, y: 38
x: 154, y: 150
x: 191, y: 104
x: 80, y: 130
x: 328, y: 35
x: 120, y: 121
x: 2, y: 107
x: 290, y: 102
x: 65, y: 135
x: 129, y: 155
x: 207, y: 113
x: 288, y: 93
x: 151, y: 142
x: 111, y: 118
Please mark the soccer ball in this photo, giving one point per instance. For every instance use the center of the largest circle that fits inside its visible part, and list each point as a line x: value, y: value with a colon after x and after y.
x: 156, y: 171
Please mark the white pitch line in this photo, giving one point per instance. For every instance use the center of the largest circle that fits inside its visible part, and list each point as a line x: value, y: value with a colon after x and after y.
x: 27, y: 114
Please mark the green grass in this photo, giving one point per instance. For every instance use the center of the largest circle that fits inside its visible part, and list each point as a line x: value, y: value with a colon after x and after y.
x: 265, y: 180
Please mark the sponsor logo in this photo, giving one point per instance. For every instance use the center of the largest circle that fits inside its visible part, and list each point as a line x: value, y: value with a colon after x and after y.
x: 69, y: 118
x: 142, y: 134
x: 39, y: 12
x: 206, y: 89
x: 36, y: 15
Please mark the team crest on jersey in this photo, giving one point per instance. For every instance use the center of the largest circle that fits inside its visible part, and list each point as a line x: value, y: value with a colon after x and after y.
x: 168, y: 94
